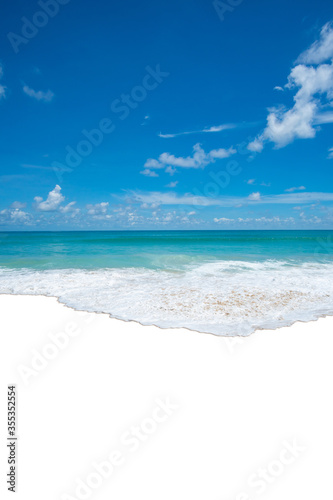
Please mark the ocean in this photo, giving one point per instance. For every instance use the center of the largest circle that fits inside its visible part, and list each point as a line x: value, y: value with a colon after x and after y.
x: 220, y: 282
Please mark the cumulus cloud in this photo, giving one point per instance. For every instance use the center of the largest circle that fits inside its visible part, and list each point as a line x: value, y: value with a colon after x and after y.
x: 52, y: 202
x: 199, y: 159
x: 221, y: 153
x: 14, y: 216
x: 18, y: 215
x: 314, y: 90
x: 254, y: 196
x: 39, y: 95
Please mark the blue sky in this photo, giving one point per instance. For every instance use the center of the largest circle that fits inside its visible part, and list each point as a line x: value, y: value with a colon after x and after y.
x: 166, y: 115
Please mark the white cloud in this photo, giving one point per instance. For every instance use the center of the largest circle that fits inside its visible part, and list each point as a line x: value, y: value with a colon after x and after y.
x: 70, y: 208
x: 149, y: 173
x: 52, y: 202
x: 199, y: 159
x: 321, y: 49
x: 250, y: 181
x: 292, y: 189
x: 19, y: 216
x: 277, y: 87
x: 221, y: 153
x: 14, y: 216
x: 172, y: 184
x: 223, y: 219
x: 330, y: 154
x: 248, y: 220
x: 18, y: 204
x: 322, y: 118
x: 98, y: 208
x: 167, y: 136
x: 254, y: 196
x: 314, y: 85
x: 256, y: 146
x: 159, y: 198
x: 170, y: 170
x: 213, y: 129
x: 219, y: 128
x: 39, y: 95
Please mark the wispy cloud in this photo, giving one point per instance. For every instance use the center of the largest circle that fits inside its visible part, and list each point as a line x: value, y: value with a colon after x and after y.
x: 158, y: 198
x: 292, y: 189
x: 216, y: 128
x: 39, y: 95
x: 321, y: 49
x: 330, y: 154
x: 2, y: 87
x: 322, y: 118
x: 312, y: 77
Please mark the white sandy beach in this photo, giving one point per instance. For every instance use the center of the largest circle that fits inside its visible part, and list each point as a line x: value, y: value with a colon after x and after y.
x: 109, y: 409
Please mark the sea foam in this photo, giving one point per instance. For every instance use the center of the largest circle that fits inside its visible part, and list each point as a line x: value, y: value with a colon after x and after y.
x: 222, y: 297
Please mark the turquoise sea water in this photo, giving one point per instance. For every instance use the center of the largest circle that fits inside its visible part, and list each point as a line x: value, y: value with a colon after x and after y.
x: 158, y: 249
x: 223, y: 282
